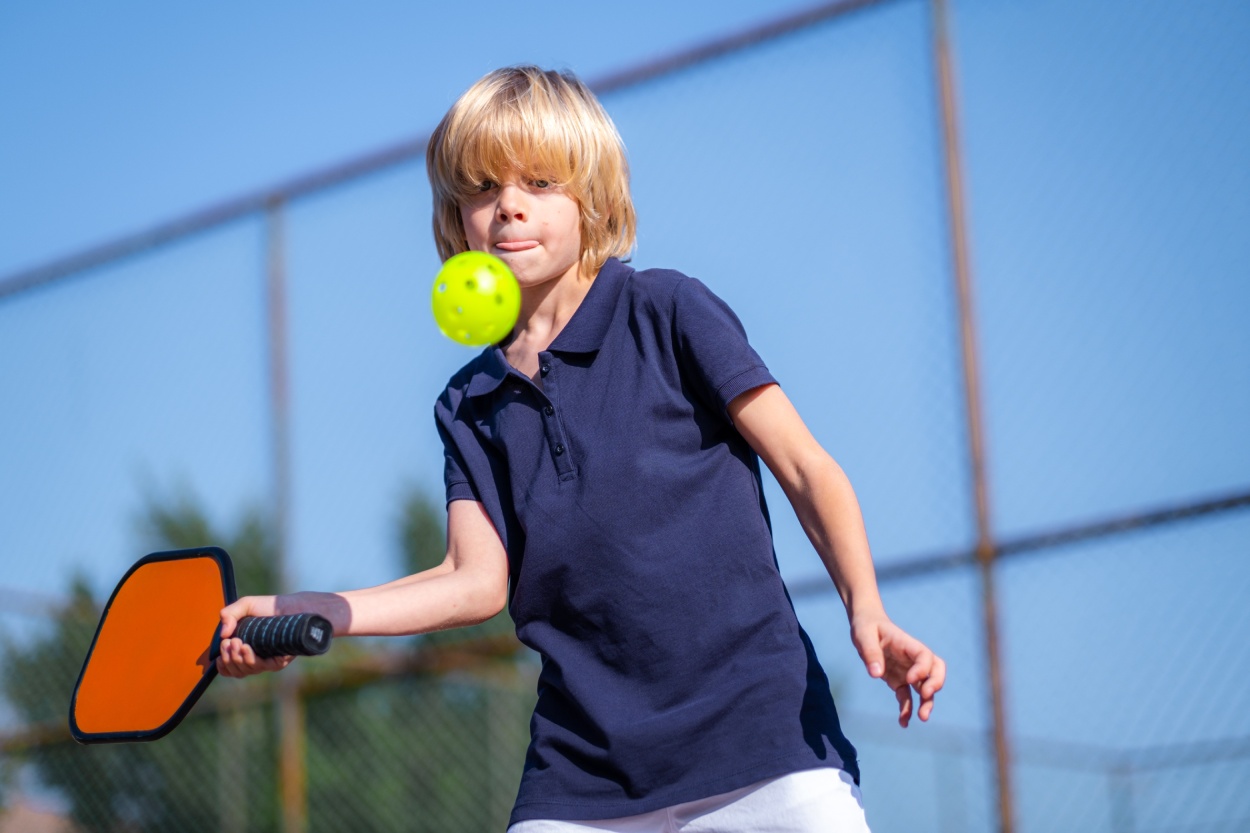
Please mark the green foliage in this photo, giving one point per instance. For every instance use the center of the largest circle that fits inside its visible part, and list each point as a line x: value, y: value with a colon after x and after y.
x: 161, y: 786
x: 422, y: 532
x: 51, y: 662
x: 419, y: 753
x: 423, y: 755
x: 182, y: 524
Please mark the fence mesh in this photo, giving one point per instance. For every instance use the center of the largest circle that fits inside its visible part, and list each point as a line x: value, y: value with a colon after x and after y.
x: 1107, y: 158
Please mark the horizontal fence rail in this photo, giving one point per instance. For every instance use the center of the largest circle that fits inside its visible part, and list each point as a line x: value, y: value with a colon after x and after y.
x: 405, y: 152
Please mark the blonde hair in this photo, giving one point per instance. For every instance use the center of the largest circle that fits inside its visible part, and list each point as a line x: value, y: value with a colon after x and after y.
x: 541, y: 124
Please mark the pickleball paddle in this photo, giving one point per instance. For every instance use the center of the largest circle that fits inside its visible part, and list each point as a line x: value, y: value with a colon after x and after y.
x: 155, y: 648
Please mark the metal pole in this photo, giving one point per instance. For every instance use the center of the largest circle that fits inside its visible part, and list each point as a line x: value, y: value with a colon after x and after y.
x: 727, y: 45
x: 985, y: 549
x: 917, y: 566
x: 1121, y: 783
x: 292, y: 777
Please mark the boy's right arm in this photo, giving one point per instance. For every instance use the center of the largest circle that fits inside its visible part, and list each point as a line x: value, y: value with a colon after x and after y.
x: 470, y: 586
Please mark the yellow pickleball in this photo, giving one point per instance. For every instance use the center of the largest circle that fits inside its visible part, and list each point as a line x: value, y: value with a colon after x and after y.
x: 476, y: 299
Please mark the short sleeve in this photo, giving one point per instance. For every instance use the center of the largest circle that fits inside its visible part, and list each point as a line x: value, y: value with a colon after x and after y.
x: 468, y: 470
x: 455, y: 477
x: 712, y: 346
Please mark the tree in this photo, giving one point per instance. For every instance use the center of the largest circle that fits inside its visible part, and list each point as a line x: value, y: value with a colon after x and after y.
x: 412, y: 751
x: 153, y: 786
x: 421, y: 752
x: 182, y: 524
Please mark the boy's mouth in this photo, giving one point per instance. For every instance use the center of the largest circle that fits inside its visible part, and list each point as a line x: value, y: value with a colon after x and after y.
x: 515, y: 245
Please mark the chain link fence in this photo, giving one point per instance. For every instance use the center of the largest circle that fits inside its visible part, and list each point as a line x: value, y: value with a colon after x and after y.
x: 1102, y: 155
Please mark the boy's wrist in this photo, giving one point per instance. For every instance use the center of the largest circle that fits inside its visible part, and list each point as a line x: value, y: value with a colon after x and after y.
x: 332, y: 606
x: 864, y: 605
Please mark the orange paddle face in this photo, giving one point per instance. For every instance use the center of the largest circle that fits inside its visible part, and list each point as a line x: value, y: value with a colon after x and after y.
x: 152, y: 654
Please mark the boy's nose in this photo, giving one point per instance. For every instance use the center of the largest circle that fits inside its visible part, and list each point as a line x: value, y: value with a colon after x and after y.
x: 511, y: 205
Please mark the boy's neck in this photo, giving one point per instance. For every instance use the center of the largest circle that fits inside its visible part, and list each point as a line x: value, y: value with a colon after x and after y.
x: 545, y: 311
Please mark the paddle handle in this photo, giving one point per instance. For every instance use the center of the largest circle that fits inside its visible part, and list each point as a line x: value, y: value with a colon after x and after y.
x: 300, y: 634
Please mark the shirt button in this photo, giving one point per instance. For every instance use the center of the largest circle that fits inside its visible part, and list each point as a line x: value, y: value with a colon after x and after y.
x: 559, y: 449
x: 549, y: 410
x: 546, y: 368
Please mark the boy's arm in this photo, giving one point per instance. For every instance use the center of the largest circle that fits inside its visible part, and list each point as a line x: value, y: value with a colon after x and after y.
x: 470, y: 586
x: 827, y: 508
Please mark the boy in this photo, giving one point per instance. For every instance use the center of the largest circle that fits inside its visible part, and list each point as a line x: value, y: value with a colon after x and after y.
x: 602, y: 473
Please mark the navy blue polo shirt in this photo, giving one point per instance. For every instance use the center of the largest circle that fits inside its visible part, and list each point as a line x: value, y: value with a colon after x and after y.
x: 640, y: 555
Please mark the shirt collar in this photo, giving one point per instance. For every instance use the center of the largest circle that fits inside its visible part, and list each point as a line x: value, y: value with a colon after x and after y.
x: 583, y: 334
x: 586, y: 329
x: 491, y: 368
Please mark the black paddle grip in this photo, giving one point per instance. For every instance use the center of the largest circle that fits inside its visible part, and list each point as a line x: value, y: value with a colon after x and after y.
x: 300, y: 634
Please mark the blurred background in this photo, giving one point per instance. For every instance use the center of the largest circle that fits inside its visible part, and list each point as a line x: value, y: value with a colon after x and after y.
x: 996, y: 251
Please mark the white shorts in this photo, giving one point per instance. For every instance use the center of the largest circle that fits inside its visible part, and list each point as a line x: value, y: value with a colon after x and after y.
x: 812, y: 801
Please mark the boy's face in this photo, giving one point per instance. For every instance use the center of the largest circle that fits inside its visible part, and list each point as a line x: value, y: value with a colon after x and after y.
x: 532, y: 225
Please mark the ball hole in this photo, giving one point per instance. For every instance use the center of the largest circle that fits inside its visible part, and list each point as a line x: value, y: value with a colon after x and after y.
x: 470, y: 284
x: 442, y: 287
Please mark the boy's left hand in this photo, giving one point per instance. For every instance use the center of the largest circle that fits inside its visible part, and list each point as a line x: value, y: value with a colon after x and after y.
x: 904, y: 662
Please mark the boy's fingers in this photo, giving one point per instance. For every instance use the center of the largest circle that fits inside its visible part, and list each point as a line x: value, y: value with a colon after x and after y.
x: 231, y: 614
x: 225, y: 660
x: 237, y: 659
x: 905, y: 703
x: 921, y: 668
x: 936, y: 679
x: 928, y: 677
x: 236, y: 656
x: 246, y: 606
x: 868, y: 642
x: 929, y: 688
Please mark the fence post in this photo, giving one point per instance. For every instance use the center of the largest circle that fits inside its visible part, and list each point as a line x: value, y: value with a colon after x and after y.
x: 1121, y: 784
x: 292, y: 774
x: 985, y: 547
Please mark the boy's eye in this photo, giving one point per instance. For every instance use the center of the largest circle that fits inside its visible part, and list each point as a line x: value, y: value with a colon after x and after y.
x: 541, y: 183
x: 486, y: 185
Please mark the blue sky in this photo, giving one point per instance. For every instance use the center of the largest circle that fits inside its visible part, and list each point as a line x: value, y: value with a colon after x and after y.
x: 124, y: 114
x: 1108, y: 183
